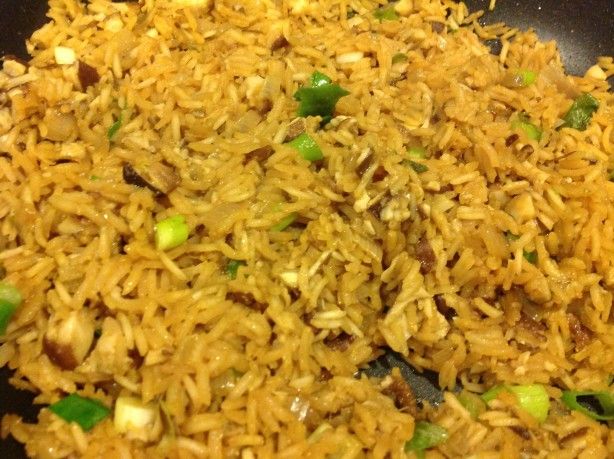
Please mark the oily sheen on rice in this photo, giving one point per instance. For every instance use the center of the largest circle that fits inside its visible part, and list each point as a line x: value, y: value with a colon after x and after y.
x: 380, y: 254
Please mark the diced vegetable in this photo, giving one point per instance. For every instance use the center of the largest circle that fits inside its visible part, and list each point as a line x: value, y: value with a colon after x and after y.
x: 386, y: 13
x: 84, y: 411
x: 171, y: 232
x: 6, y: 313
x: 319, y: 98
x: 398, y: 58
x: 416, y: 152
x: 577, y: 400
x: 10, y: 294
x: 284, y: 222
x: 530, y: 129
x: 10, y: 300
x: 426, y: 435
x: 581, y: 112
x: 232, y: 268
x: 532, y: 398
x: 527, y: 77
x: 419, y: 168
x: 531, y: 257
x: 520, y: 78
x: 472, y: 403
x: 137, y: 419
x: 112, y: 132
x: 307, y: 147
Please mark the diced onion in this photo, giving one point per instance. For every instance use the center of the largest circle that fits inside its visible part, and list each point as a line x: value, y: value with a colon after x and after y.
x: 64, y: 55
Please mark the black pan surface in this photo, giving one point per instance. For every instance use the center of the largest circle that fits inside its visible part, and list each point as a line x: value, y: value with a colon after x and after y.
x: 583, y: 31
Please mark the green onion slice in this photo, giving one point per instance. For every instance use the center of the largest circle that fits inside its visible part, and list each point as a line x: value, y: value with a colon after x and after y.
x: 10, y: 300
x: 284, y: 222
x: 527, y: 77
x: 416, y: 152
x: 398, y: 58
x: 581, y: 111
x: 577, y: 400
x: 112, y: 132
x: 472, y: 403
x: 386, y: 13
x: 319, y: 98
x: 419, y: 168
x: 307, y: 147
x: 84, y: 411
x: 532, y: 398
x: 232, y: 268
x: 426, y: 435
x: 531, y: 257
x: 171, y: 232
x: 530, y: 129
x: 6, y: 313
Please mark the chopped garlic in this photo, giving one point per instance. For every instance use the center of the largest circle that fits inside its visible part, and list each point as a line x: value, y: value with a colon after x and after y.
x: 114, y: 24
x: 13, y: 68
x: 138, y: 420
x: 350, y: 58
x: 404, y: 7
x: 299, y: 6
x: 521, y: 208
x: 290, y: 278
x: 596, y: 72
x: 152, y: 33
x: 64, y: 55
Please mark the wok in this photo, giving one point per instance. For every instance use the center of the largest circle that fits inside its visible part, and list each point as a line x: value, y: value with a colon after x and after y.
x: 583, y: 31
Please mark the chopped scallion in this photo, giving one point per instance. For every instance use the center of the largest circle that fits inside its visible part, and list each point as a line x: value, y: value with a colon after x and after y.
x: 419, y: 168
x: 319, y: 97
x: 581, y: 400
x: 398, y: 58
x: 10, y: 300
x: 284, y: 222
x: 232, y: 268
x: 307, y: 147
x: 581, y: 111
x: 530, y: 129
x: 171, y: 232
x: 426, y: 435
x: 112, y: 132
x: 472, y: 403
x: 416, y: 152
x: 531, y: 257
x: 527, y: 77
x: 386, y: 13
x: 532, y: 398
x: 84, y: 411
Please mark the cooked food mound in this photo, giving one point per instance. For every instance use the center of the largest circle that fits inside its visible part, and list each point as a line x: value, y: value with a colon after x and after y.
x: 216, y: 215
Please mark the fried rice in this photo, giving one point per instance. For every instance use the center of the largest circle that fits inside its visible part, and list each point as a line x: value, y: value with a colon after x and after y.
x: 434, y: 224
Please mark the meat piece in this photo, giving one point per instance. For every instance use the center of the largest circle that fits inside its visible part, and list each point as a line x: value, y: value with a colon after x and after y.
x: 340, y: 342
x: 443, y: 308
x: 110, y: 355
x: 259, y: 154
x: 157, y: 176
x: 426, y: 256
x: 295, y: 128
x: 580, y: 334
x: 379, y: 174
x: 325, y: 374
x: 68, y: 340
x: 247, y: 300
x: 279, y: 42
x: 438, y: 27
x: 511, y: 139
x: 88, y: 75
x: 531, y: 325
x: 400, y: 391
